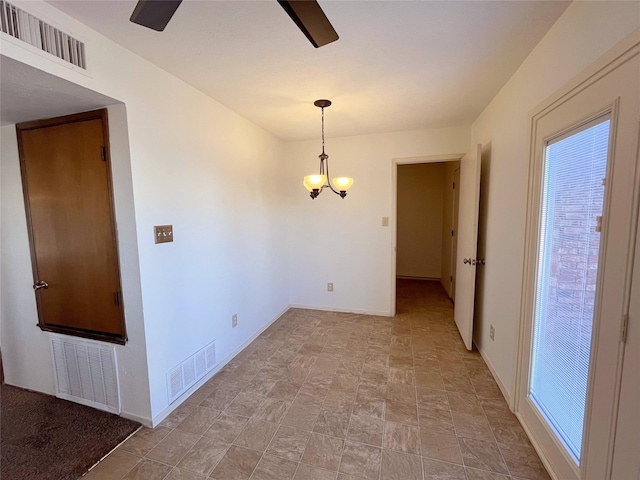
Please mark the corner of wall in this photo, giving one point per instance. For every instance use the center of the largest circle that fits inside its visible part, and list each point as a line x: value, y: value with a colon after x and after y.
x: 133, y: 364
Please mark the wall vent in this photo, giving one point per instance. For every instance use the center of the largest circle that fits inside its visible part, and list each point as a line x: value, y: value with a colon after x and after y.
x: 182, y: 377
x: 24, y: 26
x: 86, y: 372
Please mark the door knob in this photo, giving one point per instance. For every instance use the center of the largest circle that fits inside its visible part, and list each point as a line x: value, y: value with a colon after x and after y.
x: 40, y: 285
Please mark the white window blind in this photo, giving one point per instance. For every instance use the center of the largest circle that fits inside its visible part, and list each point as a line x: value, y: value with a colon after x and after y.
x: 572, y: 199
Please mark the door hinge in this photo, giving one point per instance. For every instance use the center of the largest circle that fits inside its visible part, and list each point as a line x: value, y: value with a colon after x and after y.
x: 599, y: 223
x: 451, y: 278
x: 624, y: 328
x: 103, y: 152
x: 116, y: 297
x: 452, y: 233
x: 454, y: 185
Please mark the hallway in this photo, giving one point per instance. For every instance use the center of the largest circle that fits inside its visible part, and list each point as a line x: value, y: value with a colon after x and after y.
x: 333, y: 396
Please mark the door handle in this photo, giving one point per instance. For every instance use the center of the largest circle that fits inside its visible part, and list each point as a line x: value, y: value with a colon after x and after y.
x: 41, y: 284
x: 473, y: 261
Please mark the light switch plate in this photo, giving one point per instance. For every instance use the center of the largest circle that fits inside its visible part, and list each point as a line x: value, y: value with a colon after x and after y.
x: 385, y: 221
x: 163, y: 233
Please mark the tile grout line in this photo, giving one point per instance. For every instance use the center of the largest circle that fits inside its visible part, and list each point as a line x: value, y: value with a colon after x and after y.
x: 275, y: 433
x: 307, y: 442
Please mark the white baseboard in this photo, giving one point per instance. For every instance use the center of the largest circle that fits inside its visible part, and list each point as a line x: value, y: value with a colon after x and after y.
x: 540, y: 451
x: 507, y: 396
x: 167, y: 411
x: 137, y: 418
x: 342, y: 310
x: 426, y: 279
x: 505, y: 392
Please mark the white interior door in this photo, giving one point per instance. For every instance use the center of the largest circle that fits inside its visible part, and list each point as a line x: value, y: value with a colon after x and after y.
x: 577, y: 283
x: 468, y: 210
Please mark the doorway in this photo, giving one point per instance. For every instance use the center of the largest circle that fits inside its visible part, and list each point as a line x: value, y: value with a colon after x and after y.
x: 426, y: 228
x: 465, y: 231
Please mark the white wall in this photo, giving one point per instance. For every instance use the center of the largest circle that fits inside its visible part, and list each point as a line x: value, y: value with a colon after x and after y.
x: 342, y: 240
x: 449, y: 197
x: 583, y: 33
x: 420, y: 220
x: 194, y: 164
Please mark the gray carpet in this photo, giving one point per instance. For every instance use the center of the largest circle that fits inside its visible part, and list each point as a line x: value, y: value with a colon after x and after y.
x: 45, y: 438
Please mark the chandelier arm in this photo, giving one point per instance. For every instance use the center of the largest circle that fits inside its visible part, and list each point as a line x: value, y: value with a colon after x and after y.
x: 323, y: 156
x: 329, y: 178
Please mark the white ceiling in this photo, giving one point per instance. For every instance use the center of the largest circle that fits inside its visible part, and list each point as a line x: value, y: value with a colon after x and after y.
x: 398, y: 65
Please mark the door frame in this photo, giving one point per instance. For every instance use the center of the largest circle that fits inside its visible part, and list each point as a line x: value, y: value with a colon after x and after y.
x: 608, y: 63
x: 393, y: 223
x: 454, y: 238
x: 100, y: 114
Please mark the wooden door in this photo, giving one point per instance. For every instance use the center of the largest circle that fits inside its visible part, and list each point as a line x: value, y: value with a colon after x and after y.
x: 467, y: 247
x: 68, y: 196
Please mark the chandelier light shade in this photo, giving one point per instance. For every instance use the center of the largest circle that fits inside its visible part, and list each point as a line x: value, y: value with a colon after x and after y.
x: 316, y: 183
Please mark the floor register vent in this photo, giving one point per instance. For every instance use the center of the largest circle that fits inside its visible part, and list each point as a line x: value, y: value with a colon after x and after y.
x: 24, y: 26
x: 185, y: 375
x: 86, y: 372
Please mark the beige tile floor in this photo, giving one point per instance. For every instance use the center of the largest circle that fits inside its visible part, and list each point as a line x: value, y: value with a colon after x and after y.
x: 331, y: 396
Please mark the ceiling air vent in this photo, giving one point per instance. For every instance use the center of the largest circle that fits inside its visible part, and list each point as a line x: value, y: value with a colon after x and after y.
x: 23, y: 26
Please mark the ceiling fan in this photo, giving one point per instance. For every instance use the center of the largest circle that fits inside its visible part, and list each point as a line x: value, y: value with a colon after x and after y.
x: 306, y: 14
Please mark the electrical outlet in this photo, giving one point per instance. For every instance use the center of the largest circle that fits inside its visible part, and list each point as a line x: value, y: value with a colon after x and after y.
x: 385, y: 221
x: 234, y: 320
x: 491, y: 332
x: 329, y: 287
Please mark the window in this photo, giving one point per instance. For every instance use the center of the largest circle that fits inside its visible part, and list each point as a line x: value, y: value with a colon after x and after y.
x: 567, y: 270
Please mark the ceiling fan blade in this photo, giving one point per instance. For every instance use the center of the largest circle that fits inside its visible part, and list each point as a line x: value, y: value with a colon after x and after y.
x: 310, y: 18
x: 154, y: 14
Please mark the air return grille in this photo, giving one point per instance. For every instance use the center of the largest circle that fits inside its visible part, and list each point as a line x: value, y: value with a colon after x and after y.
x: 86, y: 373
x: 182, y: 377
x: 23, y: 26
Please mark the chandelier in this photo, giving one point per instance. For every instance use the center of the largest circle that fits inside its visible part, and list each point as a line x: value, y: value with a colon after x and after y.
x: 316, y: 183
